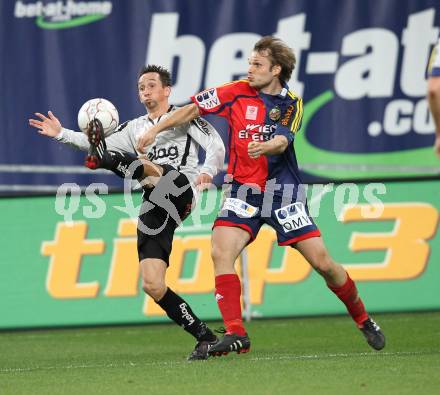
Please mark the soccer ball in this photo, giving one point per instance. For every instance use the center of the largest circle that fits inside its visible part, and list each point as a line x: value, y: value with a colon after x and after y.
x: 101, y: 109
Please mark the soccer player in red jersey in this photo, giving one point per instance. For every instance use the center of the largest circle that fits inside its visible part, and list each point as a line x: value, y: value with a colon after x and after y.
x: 263, y: 117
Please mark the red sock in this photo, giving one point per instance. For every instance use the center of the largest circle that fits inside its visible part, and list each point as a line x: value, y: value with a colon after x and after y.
x: 227, y: 294
x: 348, y: 294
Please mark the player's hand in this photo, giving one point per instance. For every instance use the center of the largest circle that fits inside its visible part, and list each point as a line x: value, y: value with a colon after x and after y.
x: 437, y: 146
x: 47, y: 126
x: 203, y: 181
x: 255, y: 149
x: 145, y: 139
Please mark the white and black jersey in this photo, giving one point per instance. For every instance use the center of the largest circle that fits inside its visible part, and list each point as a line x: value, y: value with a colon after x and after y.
x: 178, y: 147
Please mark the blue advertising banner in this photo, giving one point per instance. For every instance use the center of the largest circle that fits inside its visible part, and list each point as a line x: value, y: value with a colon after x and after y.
x: 361, y: 68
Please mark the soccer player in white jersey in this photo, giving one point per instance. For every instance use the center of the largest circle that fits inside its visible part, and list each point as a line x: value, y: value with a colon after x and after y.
x: 169, y: 176
x: 434, y: 93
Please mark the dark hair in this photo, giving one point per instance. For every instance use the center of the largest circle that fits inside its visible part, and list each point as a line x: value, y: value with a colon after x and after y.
x: 279, y: 53
x: 164, y: 74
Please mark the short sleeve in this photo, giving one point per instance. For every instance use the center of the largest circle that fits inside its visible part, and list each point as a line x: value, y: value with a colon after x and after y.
x: 215, y: 100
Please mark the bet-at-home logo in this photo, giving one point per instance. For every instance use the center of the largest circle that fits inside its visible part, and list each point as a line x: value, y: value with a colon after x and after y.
x: 365, y: 65
x: 63, y: 14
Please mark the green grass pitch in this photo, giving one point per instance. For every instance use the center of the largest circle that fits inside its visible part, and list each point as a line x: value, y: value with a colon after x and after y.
x: 325, y: 355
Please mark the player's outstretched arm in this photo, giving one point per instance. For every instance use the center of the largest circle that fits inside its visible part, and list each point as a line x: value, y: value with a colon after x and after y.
x: 47, y: 126
x: 180, y: 116
x: 51, y: 126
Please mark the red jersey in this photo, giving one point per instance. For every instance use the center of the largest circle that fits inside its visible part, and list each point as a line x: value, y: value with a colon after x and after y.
x: 255, y: 116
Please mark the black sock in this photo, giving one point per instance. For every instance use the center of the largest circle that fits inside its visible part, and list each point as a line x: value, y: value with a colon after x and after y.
x: 122, y: 164
x: 180, y: 312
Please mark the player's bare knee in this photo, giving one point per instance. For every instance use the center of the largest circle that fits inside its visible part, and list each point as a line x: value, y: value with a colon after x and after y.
x: 323, y: 264
x: 333, y: 274
x: 319, y: 259
x: 154, y: 289
x: 221, y: 257
x: 216, y: 253
x: 223, y: 262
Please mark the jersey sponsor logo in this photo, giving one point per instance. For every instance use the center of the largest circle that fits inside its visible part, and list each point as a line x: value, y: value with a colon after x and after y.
x: 208, y: 99
x: 239, y: 207
x: 251, y: 113
x: 287, y: 115
x: 171, y: 153
x: 293, y: 217
x: 263, y: 129
x: 258, y: 137
x: 202, y: 125
x: 257, y: 132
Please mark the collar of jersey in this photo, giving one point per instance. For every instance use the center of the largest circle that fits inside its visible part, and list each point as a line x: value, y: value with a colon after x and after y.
x: 282, y: 94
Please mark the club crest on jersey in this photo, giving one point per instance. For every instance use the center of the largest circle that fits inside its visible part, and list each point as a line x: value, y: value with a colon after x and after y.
x: 293, y: 217
x: 275, y: 114
x: 208, y: 99
x: 251, y: 113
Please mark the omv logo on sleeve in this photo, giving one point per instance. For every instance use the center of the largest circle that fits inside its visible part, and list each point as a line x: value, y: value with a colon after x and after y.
x: 63, y: 14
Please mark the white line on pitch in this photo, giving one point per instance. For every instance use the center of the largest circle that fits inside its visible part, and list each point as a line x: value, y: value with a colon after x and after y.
x: 255, y: 359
